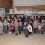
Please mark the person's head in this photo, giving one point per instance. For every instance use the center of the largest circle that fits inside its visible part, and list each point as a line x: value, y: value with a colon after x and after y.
x: 8, y: 16
x: 39, y: 23
x: 2, y: 17
x: 29, y: 24
x: 34, y: 19
x: 15, y: 18
x: 19, y: 19
x: 12, y: 22
x: 12, y: 16
x: 26, y: 16
x: 5, y: 20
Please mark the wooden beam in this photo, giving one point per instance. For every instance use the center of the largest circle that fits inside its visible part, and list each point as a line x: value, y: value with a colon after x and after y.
x: 35, y: 8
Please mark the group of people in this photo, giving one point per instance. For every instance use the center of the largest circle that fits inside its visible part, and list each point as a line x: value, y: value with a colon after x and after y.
x: 17, y: 25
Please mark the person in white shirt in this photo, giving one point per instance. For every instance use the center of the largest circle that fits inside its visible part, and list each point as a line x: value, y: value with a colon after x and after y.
x: 29, y: 28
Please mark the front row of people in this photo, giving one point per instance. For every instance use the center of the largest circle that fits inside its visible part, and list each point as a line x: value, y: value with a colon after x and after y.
x: 15, y: 27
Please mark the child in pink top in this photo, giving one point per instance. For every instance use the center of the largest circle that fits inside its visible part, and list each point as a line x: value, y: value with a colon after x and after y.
x: 9, y: 27
x: 16, y: 26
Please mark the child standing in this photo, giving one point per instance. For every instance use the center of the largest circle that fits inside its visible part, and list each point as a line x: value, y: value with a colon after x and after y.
x: 25, y: 29
x: 35, y: 26
x: 12, y: 27
x: 16, y: 26
x: 5, y: 25
x: 9, y: 27
x: 20, y: 27
x: 39, y: 28
x: 29, y: 28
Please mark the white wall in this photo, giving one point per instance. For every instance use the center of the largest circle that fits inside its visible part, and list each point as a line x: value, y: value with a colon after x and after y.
x: 28, y: 2
x: 41, y: 12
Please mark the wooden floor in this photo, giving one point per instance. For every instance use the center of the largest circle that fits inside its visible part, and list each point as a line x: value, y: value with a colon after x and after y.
x: 12, y: 39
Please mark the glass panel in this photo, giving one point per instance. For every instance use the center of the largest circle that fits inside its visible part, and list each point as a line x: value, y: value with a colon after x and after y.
x: 6, y: 10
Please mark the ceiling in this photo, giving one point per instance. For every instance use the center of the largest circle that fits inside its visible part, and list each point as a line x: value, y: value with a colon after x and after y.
x: 35, y: 5
x: 28, y: 2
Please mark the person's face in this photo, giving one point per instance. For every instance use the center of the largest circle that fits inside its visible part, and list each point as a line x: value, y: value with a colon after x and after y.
x: 5, y: 19
x: 38, y: 16
x: 12, y: 16
x: 15, y: 18
x: 7, y: 16
x: 9, y: 19
x: 2, y: 17
x: 26, y: 17
x: 12, y: 21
